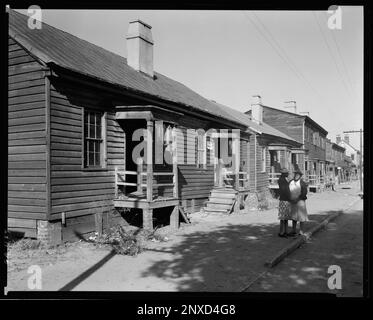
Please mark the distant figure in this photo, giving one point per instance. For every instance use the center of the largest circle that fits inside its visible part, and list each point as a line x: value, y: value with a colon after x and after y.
x: 298, y: 197
x: 284, y: 207
x: 332, y: 182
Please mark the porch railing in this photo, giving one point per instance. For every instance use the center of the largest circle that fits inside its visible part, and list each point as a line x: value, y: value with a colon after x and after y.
x: 314, y: 180
x: 243, y: 179
x: 120, y: 180
x: 235, y: 179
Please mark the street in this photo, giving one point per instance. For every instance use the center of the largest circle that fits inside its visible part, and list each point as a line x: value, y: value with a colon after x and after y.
x: 306, y: 269
x: 214, y: 253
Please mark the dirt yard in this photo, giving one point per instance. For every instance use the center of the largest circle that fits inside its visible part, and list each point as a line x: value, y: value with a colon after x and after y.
x: 213, y: 253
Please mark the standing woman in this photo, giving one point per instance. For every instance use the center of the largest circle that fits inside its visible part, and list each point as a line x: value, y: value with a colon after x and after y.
x: 298, y: 197
x: 284, y: 207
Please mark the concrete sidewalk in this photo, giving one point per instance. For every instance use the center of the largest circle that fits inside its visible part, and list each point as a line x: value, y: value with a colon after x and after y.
x: 212, y: 254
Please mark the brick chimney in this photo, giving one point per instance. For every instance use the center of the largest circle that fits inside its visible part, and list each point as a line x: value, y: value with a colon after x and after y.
x: 347, y: 138
x: 257, y: 109
x: 140, y: 47
x: 338, y: 138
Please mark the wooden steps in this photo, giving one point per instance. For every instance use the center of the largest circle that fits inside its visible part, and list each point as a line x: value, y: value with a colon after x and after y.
x: 221, y: 201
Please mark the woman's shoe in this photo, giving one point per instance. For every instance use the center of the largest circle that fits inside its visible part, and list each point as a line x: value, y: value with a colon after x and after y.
x: 282, y: 235
x: 292, y: 234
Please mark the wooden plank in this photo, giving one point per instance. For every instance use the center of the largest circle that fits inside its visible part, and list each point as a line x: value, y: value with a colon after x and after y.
x: 22, y: 180
x: 21, y: 223
x: 27, y: 201
x: 19, y: 60
x: 65, y: 127
x: 65, y: 160
x: 17, y: 52
x: 27, y: 128
x: 24, y: 68
x: 65, y: 113
x: 26, y: 164
x: 26, y: 99
x: 26, y: 173
x: 27, y: 195
x: 64, y: 106
x: 19, y: 208
x: 26, y: 215
x: 79, y: 206
x: 73, y: 200
x: 66, y: 134
x: 35, y: 112
x: 26, y: 187
x: 66, y: 154
x: 24, y: 77
x: 96, y: 186
x: 81, y: 180
x: 26, y: 121
x: 27, y: 157
x: 36, y: 89
x: 67, y: 121
x: 82, y: 193
x: 24, y: 232
x: 56, y: 140
x: 26, y: 149
x: 83, y: 174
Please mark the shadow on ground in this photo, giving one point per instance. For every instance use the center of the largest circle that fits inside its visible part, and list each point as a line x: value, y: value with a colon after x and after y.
x: 224, y: 259
x: 306, y: 270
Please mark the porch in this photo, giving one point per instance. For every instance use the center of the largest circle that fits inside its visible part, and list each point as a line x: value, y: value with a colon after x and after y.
x: 147, y: 182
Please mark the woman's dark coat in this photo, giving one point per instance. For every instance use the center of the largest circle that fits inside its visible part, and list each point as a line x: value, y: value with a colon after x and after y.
x: 284, y: 190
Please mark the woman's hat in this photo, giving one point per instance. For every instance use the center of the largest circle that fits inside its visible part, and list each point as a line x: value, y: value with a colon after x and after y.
x: 284, y: 170
x: 299, y: 172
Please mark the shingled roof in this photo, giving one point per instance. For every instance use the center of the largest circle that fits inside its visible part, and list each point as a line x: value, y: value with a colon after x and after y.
x: 54, y: 46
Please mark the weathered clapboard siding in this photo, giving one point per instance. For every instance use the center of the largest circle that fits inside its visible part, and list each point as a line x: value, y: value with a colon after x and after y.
x: 290, y: 124
x: 314, y: 151
x: 75, y: 190
x: 258, y: 179
x: 27, y: 198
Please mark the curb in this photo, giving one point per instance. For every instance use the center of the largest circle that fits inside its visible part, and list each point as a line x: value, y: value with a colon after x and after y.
x: 304, y: 238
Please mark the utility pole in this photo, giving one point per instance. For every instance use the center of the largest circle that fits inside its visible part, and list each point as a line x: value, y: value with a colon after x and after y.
x: 361, y: 155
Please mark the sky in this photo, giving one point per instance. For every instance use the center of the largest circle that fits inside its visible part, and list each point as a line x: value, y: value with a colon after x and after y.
x: 229, y: 56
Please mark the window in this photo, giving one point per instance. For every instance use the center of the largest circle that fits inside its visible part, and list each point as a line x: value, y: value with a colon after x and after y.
x: 316, y: 139
x: 264, y: 159
x: 94, y: 139
x: 352, y: 157
x: 201, y: 149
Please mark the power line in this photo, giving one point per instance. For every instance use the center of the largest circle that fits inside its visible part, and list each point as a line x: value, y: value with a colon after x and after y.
x: 330, y: 52
x: 343, y: 64
x: 291, y: 66
x: 286, y: 55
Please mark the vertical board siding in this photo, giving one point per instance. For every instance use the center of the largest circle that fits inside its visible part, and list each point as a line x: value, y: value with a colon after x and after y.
x: 290, y: 124
x: 258, y: 180
x: 314, y: 151
x: 75, y: 190
x: 26, y: 141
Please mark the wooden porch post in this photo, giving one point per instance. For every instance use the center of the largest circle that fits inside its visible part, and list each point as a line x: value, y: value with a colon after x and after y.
x: 174, y: 218
x: 149, y: 160
x: 236, y: 156
x: 174, y: 165
x: 147, y: 213
x: 116, y: 182
x: 139, y: 174
x: 147, y: 219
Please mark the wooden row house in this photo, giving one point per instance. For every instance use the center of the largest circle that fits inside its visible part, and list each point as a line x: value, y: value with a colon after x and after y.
x: 310, y: 158
x: 351, y: 153
x: 90, y: 132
